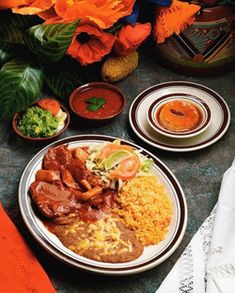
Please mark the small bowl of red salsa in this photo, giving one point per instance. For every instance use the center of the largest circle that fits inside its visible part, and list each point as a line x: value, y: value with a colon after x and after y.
x: 97, y: 102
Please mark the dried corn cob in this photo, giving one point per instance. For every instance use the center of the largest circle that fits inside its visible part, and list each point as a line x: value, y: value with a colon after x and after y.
x: 118, y: 67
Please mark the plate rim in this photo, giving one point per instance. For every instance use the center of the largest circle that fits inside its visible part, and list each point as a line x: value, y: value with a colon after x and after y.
x: 219, y: 134
x: 171, y: 247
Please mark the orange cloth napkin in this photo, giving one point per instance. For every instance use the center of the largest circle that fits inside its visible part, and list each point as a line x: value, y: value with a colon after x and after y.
x: 20, y: 271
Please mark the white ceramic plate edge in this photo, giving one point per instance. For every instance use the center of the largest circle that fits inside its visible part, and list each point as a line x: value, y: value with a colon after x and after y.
x: 61, y: 257
x: 183, y: 149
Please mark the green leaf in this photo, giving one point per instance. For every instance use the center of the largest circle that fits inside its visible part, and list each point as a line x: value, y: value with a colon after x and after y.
x: 20, y: 84
x: 95, y: 103
x: 226, y: 2
x: 5, y: 53
x: 7, y: 18
x: 92, y: 100
x: 63, y: 77
x: 93, y: 107
x: 117, y: 26
x: 11, y: 35
x: 51, y: 41
x: 13, y: 26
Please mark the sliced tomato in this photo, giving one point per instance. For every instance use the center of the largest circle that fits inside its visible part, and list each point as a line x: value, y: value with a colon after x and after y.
x: 127, y: 168
x: 111, y: 148
x: 50, y: 105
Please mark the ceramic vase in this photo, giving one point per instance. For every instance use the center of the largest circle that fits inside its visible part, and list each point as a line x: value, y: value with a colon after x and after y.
x: 205, y: 47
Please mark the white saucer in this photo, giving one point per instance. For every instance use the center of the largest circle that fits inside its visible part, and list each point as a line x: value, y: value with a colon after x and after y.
x: 220, y: 116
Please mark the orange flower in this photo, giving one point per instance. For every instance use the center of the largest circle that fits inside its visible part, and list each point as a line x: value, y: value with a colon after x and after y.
x: 6, y: 4
x: 89, y: 44
x: 174, y: 19
x: 31, y: 7
x: 130, y: 37
x: 47, y: 14
x: 102, y: 13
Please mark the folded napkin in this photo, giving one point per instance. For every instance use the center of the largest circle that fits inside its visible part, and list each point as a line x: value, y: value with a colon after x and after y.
x: 20, y: 272
x: 208, y: 263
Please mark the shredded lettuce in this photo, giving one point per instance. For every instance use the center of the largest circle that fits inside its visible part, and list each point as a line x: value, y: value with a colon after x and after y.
x: 146, y: 165
x: 61, y: 116
x: 96, y: 165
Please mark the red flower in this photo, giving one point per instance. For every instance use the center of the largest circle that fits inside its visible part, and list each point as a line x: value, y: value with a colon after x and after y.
x: 130, y: 37
x: 89, y: 44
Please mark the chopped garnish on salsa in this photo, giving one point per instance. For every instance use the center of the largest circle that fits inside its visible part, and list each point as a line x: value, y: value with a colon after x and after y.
x: 95, y: 103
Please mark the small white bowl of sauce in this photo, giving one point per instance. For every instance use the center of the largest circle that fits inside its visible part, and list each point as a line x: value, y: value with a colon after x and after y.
x: 179, y: 116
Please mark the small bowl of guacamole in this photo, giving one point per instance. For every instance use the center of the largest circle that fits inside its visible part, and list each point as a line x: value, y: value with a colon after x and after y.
x: 42, y: 121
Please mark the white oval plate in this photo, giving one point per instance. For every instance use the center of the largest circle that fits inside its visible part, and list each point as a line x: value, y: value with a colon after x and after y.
x: 152, y: 255
x: 220, y: 116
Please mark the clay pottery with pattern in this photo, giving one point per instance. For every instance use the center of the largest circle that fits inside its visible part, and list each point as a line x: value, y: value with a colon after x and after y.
x: 205, y: 47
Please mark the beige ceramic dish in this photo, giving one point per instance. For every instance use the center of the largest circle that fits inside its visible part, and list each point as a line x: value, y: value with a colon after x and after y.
x: 194, y: 105
x: 220, y: 116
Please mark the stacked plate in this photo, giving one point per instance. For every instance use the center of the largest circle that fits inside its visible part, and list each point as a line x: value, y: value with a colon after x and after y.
x: 215, y: 116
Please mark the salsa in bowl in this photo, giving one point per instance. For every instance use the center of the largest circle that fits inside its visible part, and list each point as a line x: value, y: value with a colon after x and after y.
x: 97, y: 102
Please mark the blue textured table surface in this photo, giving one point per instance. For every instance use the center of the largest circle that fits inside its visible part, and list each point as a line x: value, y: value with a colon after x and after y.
x: 199, y: 173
